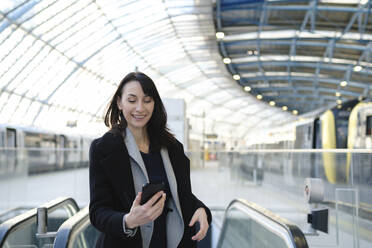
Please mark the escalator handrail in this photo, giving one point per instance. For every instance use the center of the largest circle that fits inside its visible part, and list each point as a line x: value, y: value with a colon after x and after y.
x: 9, y: 225
x: 66, y: 230
x: 295, y: 233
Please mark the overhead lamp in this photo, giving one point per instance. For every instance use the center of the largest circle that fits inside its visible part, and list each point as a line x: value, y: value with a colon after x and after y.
x: 295, y: 112
x: 227, y: 60
x: 220, y: 35
x: 339, y: 101
x: 363, y: 2
x: 285, y: 108
x: 339, y: 106
x: 272, y: 103
x: 338, y: 94
x: 247, y: 88
x: 236, y: 77
x: 251, y: 52
x: 357, y: 68
x: 259, y: 97
x: 343, y: 83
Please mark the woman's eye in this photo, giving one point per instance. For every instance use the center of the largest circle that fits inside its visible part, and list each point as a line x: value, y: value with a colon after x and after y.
x: 131, y: 101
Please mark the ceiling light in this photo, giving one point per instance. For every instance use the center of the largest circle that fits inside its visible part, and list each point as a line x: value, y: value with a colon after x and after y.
x: 272, y: 103
x: 220, y: 35
x: 252, y: 52
x: 363, y: 2
x: 285, y: 108
x: 343, y: 83
x: 259, y: 97
x: 339, y: 101
x: 338, y: 94
x: 227, y: 60
x: 357, y: 68
x: 247, y: 88
x: 295, y: 112
x: 236, y: 77
x: 339, y: 106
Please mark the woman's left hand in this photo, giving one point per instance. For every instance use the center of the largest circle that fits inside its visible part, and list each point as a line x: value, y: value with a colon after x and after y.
x: 201, y: 216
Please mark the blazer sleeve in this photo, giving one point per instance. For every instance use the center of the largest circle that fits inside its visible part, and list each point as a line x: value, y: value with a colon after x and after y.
x: 101, y: 208
x: 186, y: 186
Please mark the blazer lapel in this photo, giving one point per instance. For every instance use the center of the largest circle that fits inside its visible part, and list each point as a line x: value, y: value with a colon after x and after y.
x: 134, y: 152
x: 171, y: 178
x: 175, y: 224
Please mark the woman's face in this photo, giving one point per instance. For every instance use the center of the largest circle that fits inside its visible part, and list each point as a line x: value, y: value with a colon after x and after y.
x: 137, y: 107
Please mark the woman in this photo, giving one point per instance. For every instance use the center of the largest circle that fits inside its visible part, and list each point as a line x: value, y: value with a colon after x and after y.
x: 140, y: 149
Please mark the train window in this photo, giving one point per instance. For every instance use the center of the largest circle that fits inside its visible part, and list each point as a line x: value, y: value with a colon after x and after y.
x: 11, y: 137
x: 2, y: 139
x: 369, y: 125
x: 341, y: 132
x: 40, y: 140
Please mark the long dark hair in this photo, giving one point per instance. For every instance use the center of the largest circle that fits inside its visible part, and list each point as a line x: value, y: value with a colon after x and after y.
x: 157, y: 130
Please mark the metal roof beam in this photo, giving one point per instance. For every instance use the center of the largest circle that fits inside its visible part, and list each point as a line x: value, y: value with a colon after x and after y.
x: 362, y: 27
x: 310, y: 14
x: 288, y: 42
x: 300, y: 8
x: 309, y: 79
x: 306, y: 88
x: 334, y: 67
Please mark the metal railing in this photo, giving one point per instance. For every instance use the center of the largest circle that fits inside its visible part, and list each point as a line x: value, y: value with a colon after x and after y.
x: 24, y: 220
x: 77, y: 231
x: 254, y: 226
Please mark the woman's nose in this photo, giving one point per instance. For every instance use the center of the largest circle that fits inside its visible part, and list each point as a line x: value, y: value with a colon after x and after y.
x: 139, y: 106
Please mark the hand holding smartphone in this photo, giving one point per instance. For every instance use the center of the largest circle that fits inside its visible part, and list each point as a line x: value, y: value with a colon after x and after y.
x: 149, y: 190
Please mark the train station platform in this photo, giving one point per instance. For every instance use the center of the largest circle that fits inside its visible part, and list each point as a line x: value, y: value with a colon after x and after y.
x: 225, y: 185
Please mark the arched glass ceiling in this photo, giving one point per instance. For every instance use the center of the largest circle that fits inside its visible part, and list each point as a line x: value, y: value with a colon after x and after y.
x: 302, y: 54
x: 61, y: 61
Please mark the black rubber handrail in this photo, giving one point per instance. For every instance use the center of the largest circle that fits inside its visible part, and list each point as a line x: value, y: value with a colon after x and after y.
x: 297, y: 237
x: 18, y: 221
x: 70, y: 227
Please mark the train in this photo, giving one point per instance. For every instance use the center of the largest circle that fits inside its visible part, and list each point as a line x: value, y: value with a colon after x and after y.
x: 346, y: 126
x: 31, y: 150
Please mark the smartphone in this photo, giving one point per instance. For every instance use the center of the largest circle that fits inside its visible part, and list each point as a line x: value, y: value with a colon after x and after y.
x: 149, y: 190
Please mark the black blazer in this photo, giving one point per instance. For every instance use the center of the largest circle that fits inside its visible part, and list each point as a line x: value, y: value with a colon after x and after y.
x: 112, y: 191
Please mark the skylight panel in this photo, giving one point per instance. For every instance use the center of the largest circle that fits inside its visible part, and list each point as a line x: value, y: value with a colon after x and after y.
x: 67, y: 20
x: 23, y: 66
x: 219, y: 97
x: 21, y: 110
x: 10, y: 44
x: 8, y: 5
x: 236, y: 103
x: 202, y: 87
x: 76, y: 29
x: 5, y: 34
x: 10, y: 107
x: 32, y: 72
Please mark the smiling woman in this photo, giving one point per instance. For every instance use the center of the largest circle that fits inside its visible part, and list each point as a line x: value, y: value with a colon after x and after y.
x: 135, y: 105
x: 139, y: 149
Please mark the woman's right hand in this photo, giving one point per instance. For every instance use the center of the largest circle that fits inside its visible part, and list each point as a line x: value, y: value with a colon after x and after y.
x: 142, y: 214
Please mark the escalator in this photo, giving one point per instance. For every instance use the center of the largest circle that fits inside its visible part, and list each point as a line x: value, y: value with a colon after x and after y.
x: 245, y: 224
x: 20, y: 231
x: 248, y: 225
x: 77, y: 232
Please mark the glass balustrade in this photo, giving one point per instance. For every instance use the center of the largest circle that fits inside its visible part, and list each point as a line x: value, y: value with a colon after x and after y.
x: 249, y: 225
